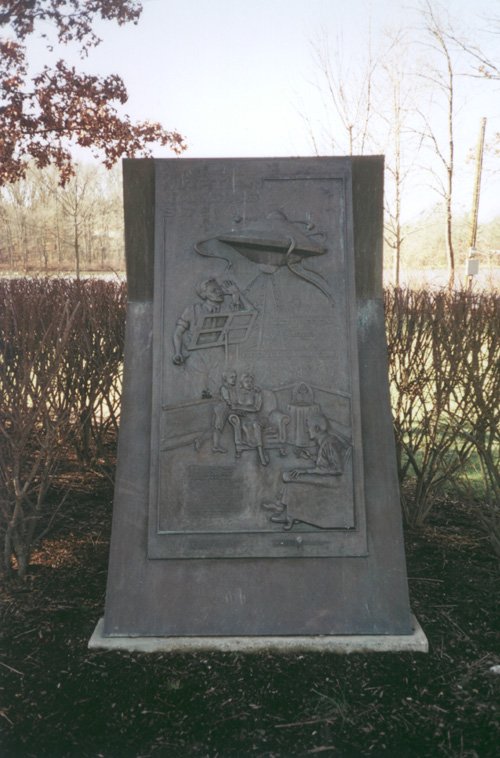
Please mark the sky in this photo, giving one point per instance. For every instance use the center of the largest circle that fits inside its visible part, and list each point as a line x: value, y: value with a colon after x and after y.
x: 237, y: 77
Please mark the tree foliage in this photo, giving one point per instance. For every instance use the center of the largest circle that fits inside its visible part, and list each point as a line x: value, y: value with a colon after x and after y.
x: 42, y: 114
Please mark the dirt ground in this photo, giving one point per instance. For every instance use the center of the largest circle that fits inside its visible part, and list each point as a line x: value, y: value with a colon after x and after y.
x: 58, y: 699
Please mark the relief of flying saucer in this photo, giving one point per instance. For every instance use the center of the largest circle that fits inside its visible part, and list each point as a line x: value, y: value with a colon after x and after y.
x: 274, y: 242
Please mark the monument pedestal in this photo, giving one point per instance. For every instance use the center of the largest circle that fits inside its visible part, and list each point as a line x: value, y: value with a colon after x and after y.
x: 416, y: 642
x: 255, y: 287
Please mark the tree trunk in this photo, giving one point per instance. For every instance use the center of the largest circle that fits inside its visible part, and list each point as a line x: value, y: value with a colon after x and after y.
x: 76, y: 243
x: 450, y: 253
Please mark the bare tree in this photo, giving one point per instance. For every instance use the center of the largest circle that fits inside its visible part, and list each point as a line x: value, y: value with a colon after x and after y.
x: 395, y: 107
x: 77, y: 202
x: 394, y: 102
x: 450, y: 59
x: 349, y: 96
x: 440, y: 76
x: 368, y: 105
x: 45, y: 226
x: 393, y: 233
x: 20, y: 202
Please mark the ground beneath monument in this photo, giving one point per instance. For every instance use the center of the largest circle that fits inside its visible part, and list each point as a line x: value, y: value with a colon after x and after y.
x: 59, y: 699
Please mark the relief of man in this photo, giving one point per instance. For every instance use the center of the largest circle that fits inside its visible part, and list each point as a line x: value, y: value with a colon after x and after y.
x: 245, y: 419
x: 330, y: 453
x: 222, y: 410
x: 212, y: 294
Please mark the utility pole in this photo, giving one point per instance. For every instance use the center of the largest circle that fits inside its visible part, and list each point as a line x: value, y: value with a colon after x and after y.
x: 472, y: 263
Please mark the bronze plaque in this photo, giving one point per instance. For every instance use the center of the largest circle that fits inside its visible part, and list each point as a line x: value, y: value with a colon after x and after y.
x: 256, y: 440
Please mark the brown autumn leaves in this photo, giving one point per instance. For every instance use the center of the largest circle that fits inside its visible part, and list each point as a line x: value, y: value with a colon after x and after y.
x: 43, y: 114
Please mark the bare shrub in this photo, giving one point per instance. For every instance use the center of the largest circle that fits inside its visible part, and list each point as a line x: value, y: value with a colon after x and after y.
x: 444, y: 387
x: 34, y: 415
x: 61, y: 354
x: 481, y: 374
x: 92, y: 367
x: 481, y: 371
x: 60, y: 380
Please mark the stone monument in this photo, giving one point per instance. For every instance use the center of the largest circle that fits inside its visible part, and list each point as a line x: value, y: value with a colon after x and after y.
x: 256, y: 491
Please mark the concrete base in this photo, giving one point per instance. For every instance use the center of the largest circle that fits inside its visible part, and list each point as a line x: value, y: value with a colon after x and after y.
x: 342, y: 644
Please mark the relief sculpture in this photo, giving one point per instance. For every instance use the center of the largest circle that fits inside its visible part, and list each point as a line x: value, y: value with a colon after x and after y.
x: 256, y: 432
x: 223, y: 316
x: 222, y: 409
x: 330, y: 455
x: 329, y: 460
x: 206, y: 330
x: 274, y: 423
x: 273, y: 242
x: 245, y: 418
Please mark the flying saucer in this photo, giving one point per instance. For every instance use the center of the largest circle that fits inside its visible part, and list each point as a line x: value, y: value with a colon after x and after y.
x: 273, y: 241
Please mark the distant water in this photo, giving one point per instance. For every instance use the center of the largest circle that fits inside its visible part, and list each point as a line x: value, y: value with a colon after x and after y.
x: 488, y: 278
x: 107, y: 276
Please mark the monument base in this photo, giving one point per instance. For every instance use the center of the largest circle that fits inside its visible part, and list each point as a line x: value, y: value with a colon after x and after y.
x: 416, y: 642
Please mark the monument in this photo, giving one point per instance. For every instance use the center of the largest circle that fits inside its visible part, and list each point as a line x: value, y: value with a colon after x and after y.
x: 256, y: 493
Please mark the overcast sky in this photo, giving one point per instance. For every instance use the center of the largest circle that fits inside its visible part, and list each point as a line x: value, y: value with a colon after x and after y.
x: 237, y: 76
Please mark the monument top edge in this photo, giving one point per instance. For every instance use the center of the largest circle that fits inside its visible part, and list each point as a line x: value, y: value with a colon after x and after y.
x: 261, y: 158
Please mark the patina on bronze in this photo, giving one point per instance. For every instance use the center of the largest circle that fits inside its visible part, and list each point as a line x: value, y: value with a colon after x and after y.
x: 256, y: 488
x: 256, y: 411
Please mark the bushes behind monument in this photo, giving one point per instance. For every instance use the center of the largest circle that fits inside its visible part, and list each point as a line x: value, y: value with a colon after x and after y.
x: 61, y: 356
x: 444, y: 360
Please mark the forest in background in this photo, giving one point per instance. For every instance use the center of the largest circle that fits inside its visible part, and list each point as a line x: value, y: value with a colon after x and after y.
x: 46, y: 228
